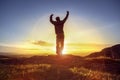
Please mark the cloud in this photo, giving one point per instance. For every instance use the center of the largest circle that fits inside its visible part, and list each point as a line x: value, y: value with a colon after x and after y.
x: 42, y: 43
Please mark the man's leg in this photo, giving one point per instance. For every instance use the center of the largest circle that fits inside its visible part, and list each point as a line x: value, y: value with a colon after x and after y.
x: 57, y: 45
x: 62, y: 43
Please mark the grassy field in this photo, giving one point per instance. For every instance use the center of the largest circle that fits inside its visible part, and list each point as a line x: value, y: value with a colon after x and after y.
x: 67, y: 70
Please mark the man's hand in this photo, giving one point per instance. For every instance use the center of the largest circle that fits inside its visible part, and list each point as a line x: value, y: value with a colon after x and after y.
x: 67, y: 12
x: 51, y: 14
x: 51, y: 20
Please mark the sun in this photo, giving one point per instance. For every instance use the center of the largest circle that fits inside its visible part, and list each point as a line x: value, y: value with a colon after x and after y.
x: 64, y: 51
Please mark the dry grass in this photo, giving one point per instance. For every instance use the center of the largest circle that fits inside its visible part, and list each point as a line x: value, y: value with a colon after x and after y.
x: 51, y: 72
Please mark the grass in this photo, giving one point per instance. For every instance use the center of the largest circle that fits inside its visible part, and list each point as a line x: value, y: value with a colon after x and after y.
x: 51, y: 72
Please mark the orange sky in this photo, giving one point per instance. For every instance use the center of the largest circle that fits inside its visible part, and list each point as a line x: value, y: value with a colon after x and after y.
x: 45, y: 48
x: 79, y: 40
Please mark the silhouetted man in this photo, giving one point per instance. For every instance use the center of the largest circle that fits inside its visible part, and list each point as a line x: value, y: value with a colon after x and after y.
x: 59, y: 24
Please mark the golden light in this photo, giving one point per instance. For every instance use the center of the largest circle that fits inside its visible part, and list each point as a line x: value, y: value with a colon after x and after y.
x: 75, y: 32
x: 63, y: 52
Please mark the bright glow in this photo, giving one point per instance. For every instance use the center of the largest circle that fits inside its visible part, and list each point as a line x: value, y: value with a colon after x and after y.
x: 74, y: 49
x: 64, y: 51
x: 75, y: 32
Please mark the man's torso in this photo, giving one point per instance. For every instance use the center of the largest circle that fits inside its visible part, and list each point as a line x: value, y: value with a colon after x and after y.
x: 59, y: 27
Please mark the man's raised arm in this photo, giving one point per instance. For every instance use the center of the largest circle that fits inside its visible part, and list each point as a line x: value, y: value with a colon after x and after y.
x: 51, y: 20
x: 66, y: 16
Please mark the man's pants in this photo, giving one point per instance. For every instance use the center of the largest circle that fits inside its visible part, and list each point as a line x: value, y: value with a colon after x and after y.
x: 59, y: 43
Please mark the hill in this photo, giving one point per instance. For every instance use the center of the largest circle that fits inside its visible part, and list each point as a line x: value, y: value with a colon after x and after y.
x: 111, y: 52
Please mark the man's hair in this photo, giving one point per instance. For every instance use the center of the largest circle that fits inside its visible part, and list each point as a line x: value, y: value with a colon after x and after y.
x: 58, y: 18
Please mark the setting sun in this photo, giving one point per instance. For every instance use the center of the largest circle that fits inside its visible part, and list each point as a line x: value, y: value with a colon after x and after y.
x: 49, y: 48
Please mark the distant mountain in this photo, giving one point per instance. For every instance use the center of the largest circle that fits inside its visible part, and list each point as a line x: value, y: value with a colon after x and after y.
x: 112, y: 52
x: 2, y: 56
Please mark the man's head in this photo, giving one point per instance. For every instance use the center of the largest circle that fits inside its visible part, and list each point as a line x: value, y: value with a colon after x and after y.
x: 57, y: 18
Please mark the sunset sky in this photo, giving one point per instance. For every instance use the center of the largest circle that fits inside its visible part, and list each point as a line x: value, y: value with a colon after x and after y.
x: 25, y: 28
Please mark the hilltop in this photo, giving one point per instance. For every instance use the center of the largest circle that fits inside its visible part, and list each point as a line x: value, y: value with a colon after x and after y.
x: 111, y: 52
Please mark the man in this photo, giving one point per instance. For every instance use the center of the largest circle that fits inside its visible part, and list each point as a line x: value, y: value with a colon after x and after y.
x: 59, y: 24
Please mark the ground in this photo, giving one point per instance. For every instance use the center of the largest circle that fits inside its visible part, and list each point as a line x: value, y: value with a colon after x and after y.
x: 59, y: 68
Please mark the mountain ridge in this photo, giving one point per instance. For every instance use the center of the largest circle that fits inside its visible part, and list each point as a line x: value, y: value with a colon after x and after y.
x: 111, y: 52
